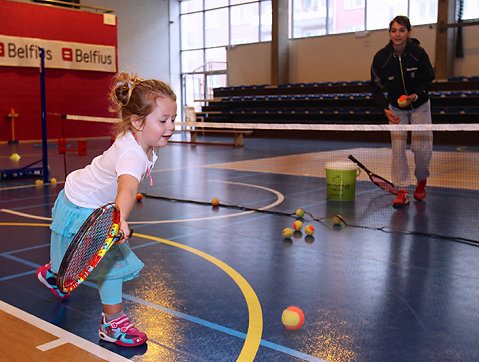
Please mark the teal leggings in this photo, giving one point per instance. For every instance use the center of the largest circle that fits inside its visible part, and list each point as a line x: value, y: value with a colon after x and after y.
x: 110, y: 290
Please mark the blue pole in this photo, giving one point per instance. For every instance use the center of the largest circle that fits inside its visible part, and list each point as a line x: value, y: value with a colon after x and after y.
x: 44, y: 116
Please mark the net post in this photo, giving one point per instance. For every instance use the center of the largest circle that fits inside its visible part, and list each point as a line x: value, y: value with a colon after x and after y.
x: 44, y: 116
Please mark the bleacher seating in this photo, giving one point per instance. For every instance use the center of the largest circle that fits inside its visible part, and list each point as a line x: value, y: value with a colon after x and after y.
x: 452, y: 100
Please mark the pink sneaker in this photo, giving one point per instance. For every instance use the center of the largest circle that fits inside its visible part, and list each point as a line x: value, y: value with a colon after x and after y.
x: 47, y: 278
x: 120, y: 331
x: 420, y: 192
x: 402, y: 198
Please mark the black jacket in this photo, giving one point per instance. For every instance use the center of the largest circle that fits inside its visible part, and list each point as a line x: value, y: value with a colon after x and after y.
x: 386, y: 74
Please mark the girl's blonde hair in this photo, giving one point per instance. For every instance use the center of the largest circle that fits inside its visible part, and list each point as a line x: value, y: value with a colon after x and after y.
x: 131, y: 95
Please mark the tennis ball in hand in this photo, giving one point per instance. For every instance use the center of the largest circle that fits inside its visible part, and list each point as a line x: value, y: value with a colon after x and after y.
x: 215, y: 202
x: 287, y: 233
x: 292, y: 317
x: 309, y: 230
x: 300, y: 213
x: 402, y: 101
x: 139, y: 197
x: 297, y: 225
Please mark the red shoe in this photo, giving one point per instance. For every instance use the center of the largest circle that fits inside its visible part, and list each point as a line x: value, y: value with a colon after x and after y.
x: 120, y: 331
x: 420, y: 192
x: 402, y: 198
x: 47, y: 278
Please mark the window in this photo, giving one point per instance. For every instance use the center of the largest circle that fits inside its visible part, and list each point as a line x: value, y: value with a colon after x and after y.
x: 309, y: 18
x: 208, y: 27
x: 423, y: 12
x: 245, y: 24
x: 191, y: 38
x: 470, y: 10
x: 347, y: 16
x: 380, y: 12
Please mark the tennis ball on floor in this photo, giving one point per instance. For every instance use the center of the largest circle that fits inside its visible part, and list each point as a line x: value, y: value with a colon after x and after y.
x: 402, y: 100
x: 53, y: 181
x: 292, y: 317
x: 287, y: 233
x: 297, y: 225
x: 15, y: 157
x: 300, y: 213
x: 309, y: 230
x: 337, y: 221
x: 215, y: 201
x: 139, y: 197
x: 39, y: 182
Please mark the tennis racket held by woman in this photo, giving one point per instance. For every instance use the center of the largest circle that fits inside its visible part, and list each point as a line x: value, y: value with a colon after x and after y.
x: 376, y: 179
x: 89, y: 245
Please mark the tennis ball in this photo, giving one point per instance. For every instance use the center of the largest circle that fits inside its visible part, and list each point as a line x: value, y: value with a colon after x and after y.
x: 300, y: 213
x: 53, y: 181
x: 139, y: 197
x: 336, y: 220
x: 292, y: 317
x: 297, y: 225
x: 402, y: 100
x: 309, y: 230
x: 15, y: 157
x: 39, y: 182
x: 215, y: 202
x: 287, y: 233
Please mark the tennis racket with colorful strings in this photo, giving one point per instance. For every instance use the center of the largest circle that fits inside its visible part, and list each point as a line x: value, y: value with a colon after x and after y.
x: 89, y: 245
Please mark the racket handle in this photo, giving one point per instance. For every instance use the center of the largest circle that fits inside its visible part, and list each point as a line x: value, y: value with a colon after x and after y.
x: 121, y: 234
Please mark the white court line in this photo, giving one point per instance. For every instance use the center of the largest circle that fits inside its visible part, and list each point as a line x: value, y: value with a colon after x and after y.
x: 50, y: 345
x: 63, y: 335
x: 26, y: 215
x: 279, y: 200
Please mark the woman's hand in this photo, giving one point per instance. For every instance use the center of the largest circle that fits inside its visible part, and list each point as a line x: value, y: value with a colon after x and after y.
x: 409, y: 99
x: 391, y: 116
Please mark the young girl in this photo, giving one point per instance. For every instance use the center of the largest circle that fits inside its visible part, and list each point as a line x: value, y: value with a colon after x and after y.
x: 148, y: 112
x: 403, y: 68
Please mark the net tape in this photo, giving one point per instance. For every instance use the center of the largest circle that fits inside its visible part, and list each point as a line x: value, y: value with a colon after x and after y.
x: 305, y: 126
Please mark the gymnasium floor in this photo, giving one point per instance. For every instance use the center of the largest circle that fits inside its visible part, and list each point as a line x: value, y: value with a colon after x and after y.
x: 391, y: 285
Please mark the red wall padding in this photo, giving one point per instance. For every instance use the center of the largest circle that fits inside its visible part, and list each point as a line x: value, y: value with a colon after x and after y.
x: 67, y: 91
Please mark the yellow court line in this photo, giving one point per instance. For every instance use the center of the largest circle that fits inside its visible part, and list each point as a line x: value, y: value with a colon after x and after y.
x: 21, y: 224
x: 255, y: 324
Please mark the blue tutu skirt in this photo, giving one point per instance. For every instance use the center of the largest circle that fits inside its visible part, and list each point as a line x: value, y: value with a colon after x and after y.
x: 118, y: 262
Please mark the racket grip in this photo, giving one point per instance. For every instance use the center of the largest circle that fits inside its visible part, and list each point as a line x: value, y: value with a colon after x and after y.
x: 121, y: 234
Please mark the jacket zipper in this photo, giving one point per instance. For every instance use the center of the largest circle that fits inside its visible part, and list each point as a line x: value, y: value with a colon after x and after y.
x: 403, y: 82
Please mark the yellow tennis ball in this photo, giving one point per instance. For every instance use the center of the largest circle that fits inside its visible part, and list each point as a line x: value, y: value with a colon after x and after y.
x: 53, y: 181
x: 287, y: 233
x: 297, y: 225
x: 309, y: 230
x: 292, y: 317
x: 300, y: 213
x: 15, y: 157
x: 402, y: 100
x: 39, y: 182
x: 215, y: 202
x: 337, y: 221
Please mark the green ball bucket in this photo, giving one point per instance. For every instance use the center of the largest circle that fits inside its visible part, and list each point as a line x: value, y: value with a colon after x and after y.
x: 341, y: 180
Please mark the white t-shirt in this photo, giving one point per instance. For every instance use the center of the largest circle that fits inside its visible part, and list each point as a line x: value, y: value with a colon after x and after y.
x: 97, y: 183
